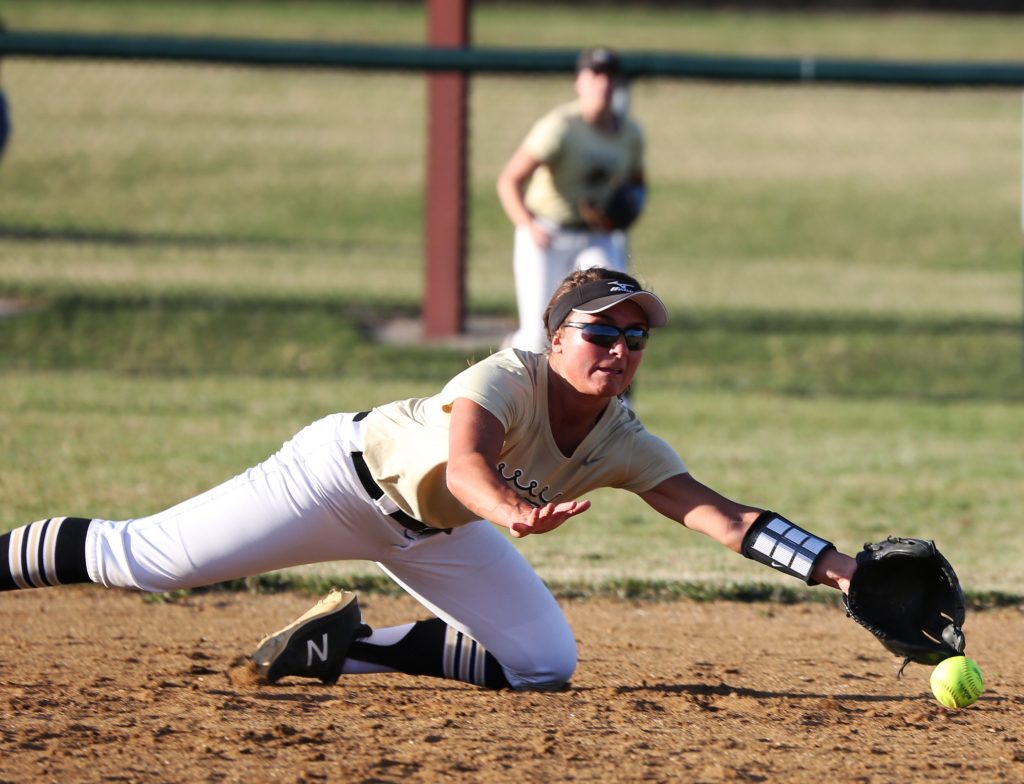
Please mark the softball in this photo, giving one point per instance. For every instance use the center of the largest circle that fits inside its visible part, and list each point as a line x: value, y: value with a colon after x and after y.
x: 957, y: 682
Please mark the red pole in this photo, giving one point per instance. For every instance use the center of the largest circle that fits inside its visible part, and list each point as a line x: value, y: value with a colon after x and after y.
x: 445, y: 208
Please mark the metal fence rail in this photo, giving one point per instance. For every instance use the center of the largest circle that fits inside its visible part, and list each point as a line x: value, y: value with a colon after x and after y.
x: 496, y: 60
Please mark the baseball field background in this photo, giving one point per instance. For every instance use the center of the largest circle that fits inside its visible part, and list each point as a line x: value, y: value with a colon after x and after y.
x: 198, y: 259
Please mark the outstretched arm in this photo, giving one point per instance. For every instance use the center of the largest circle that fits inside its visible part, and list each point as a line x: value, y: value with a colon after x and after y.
x: 685, y: 500
x: 474, y: 446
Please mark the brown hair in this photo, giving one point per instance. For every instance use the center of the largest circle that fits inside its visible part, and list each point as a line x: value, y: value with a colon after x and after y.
x: 579, y: 278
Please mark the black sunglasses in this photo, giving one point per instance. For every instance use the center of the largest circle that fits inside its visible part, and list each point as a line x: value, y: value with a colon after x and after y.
x: 606, y: 336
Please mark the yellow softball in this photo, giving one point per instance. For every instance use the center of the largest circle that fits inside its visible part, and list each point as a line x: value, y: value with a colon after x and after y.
x: 957, y: 682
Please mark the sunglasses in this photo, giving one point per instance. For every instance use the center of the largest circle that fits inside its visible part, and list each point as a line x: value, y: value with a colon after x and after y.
x: 606, y: 336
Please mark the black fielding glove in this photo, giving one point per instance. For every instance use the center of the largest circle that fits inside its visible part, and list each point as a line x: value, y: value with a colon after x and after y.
x: 906, y: 594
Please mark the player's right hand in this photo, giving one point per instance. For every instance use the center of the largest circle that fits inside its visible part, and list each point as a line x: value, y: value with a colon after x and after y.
x: 547, y: 518
x: 541, y: 236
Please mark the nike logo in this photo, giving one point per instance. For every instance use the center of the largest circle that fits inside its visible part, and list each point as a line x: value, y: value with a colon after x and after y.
x: 590, y: 459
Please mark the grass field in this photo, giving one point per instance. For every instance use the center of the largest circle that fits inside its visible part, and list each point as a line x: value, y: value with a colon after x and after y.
x: 208, y: 248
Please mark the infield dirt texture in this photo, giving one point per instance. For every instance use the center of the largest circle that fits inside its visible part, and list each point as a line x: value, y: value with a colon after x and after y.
x: 100, y: 686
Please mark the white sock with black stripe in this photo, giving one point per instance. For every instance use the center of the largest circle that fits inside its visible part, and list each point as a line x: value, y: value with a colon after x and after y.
x: 45, y: 553
x: 464, y: 658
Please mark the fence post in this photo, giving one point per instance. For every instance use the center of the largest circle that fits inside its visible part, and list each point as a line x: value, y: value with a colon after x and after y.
x: 445, y: 208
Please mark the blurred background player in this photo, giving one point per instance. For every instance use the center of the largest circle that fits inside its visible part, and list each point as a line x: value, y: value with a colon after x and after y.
x: 570, y: 162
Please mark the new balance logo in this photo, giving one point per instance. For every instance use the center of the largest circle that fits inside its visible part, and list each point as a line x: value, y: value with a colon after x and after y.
x: 311, y: 648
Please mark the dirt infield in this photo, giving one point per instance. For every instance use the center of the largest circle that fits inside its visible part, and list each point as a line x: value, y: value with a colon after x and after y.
x: 99, y: 685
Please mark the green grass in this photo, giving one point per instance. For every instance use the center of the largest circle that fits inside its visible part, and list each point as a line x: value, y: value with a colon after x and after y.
x: 123, y: 409
x: 210, y: 250
x: 803, y: 356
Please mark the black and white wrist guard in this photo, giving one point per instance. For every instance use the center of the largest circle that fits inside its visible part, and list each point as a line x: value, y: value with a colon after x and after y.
x: 776, y: 542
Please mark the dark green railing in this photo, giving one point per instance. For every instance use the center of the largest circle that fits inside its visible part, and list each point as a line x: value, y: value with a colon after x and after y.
x: 478, y: 59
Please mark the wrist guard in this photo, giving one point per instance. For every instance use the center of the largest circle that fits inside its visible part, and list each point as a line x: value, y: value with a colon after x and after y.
x: 776, y: 542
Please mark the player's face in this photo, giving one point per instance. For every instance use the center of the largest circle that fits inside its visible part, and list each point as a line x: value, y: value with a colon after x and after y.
x: 594, y: 369
x: 595, y: 89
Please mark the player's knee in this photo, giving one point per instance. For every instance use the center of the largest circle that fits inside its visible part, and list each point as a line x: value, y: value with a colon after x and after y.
x: 550, y: 670
x: 118, y: 558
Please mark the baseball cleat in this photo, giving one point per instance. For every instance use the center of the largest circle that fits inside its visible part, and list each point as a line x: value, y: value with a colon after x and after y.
x: 313, y: 646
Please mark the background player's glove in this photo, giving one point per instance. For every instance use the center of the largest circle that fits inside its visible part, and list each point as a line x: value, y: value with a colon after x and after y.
x: 619, y: 210
x: 907, y: 595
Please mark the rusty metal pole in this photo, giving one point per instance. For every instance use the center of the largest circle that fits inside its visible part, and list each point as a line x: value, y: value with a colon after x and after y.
x: 445, y: 207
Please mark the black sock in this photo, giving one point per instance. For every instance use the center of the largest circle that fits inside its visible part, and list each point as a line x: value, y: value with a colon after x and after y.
x: 434, y: 648
x: 48, y: 552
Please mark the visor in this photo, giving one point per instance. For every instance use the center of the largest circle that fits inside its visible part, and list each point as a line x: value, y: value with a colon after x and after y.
x: 599, y: 295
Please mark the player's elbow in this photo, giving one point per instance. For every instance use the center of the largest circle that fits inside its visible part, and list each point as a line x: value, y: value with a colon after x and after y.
x: 506, y: 184
x: 463, y: 482
x: 455, y: 479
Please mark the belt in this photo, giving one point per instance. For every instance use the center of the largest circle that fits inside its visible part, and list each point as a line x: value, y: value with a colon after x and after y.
x: 375, y: 492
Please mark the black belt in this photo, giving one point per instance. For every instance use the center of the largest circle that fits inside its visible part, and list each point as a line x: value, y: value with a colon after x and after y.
x: 374, y: 491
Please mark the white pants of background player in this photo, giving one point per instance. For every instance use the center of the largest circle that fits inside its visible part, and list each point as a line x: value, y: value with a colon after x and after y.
x: 305, y: 504
x: 538, y: 271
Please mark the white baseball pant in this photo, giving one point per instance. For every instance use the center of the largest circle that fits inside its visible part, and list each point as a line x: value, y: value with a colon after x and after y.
x: 538, y: 271
x: 305, y: 504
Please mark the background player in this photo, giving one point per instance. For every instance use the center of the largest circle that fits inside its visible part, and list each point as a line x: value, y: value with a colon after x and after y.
x: 516, y: 440
x: 568, y: 164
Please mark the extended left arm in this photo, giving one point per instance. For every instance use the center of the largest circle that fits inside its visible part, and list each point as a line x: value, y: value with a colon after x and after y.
x: 685, y: 500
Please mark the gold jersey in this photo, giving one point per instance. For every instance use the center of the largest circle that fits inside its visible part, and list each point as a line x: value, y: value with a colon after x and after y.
x: 578, y: 161
x: 406, y: 443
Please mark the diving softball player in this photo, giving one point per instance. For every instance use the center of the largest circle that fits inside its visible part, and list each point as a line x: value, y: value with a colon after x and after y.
x: 422, y: 487
x: 569, y: 162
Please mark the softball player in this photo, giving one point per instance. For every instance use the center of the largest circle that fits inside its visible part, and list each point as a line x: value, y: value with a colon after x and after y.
x: 570, y: 161
x: 515, y: 440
